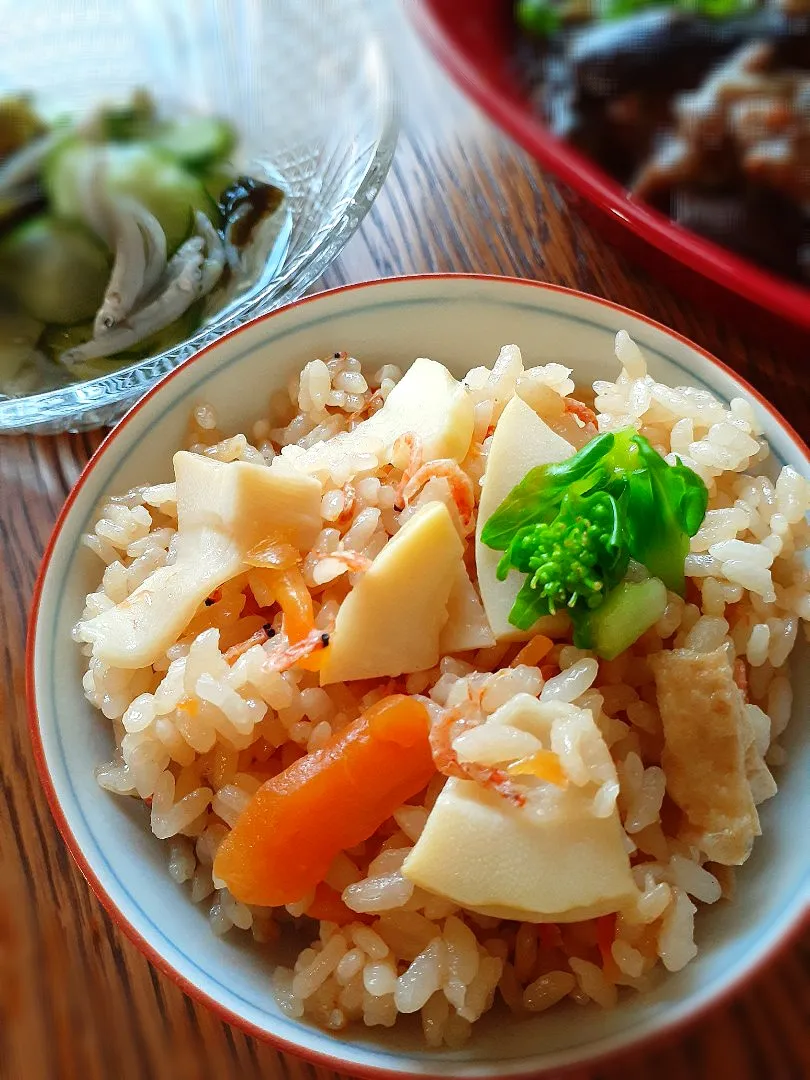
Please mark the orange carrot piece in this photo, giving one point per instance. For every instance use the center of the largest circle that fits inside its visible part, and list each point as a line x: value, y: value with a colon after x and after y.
x: 534, y: 651
x: 545, y: 765
x: 334, y: 798
x: 288, y: 589
x: 328, y: 907
x: 295, y: 601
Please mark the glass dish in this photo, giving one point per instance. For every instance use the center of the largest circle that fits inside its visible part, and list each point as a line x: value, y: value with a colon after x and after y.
x: 307, y: 86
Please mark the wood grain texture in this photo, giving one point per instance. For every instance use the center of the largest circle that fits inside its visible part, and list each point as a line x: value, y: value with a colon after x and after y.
x: 76, y: 999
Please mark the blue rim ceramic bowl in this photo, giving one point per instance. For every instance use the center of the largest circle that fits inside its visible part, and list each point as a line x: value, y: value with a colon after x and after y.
x: 460, y: 321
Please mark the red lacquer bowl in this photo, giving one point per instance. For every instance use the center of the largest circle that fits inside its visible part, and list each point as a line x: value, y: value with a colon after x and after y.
x: 472, y: 39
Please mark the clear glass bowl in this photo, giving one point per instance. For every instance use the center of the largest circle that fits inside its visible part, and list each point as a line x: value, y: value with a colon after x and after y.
x: 305, y: 82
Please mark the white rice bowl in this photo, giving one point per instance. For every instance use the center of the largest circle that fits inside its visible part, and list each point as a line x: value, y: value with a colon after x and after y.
x: 462, y: 324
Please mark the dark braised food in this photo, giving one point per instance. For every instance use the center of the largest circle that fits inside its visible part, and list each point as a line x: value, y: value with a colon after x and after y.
x: 700, y: 109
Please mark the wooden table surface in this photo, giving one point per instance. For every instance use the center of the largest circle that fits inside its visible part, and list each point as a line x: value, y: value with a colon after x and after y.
x: 76, y: 998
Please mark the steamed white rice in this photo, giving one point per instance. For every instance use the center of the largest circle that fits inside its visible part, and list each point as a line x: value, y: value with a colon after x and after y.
x: 196, y: 735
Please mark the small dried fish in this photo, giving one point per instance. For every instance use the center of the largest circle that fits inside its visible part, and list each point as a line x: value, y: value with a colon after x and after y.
x: 181, y: 292
x: 192, y: 271
x: 127, y: 278
x: 215, y: 252
x: 155, y: 246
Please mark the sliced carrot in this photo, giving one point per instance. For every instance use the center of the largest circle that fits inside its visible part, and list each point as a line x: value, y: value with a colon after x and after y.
x: 293, y: 596
x: 332, y: 799
x: 288, y: 589
x: 329, y: 907
x: 533, y: 651
x: 545, y: 765
x: 295, y: 601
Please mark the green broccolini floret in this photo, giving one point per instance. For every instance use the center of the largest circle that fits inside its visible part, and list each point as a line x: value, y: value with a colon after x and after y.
x: 570, y: 562
x: 572, y: 527
x: 563, y: 559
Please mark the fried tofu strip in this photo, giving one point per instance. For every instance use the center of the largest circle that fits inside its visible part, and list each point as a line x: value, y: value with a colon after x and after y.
x: 707, y: 751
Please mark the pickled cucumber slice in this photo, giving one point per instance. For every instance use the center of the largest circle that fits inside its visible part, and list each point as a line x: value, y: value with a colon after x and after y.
x: 56, y: 270
x: 197, y: 141
x: 136, y: 169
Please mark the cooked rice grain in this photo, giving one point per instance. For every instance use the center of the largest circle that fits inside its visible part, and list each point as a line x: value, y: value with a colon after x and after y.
x: 196, y: 734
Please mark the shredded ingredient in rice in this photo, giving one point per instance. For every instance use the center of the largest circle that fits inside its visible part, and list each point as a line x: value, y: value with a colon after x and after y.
x: 478, y: 685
